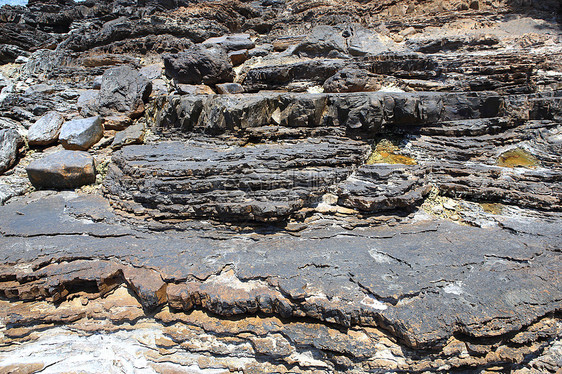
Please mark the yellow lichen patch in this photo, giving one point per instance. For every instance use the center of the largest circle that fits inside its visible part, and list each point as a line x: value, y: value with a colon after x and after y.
x: 386, y: 152
x: 517, y: 158
x: 492, y: 208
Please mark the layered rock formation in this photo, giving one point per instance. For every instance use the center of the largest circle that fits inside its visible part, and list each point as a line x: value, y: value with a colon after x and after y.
x: 281, y: 186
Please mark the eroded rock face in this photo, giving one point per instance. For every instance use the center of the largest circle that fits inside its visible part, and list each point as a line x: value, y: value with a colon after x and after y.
x: 328, y: 187
x: 264, y: 182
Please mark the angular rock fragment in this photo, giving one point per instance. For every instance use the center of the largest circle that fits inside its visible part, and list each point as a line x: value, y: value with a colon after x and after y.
x: 10, y: 143
x: 131, y: 135
x: 199, y: 65
x: 81, y: 134
x: 229, y: 88
x: 62, y: 170
x: 123, y: 90
x: 46, y: 130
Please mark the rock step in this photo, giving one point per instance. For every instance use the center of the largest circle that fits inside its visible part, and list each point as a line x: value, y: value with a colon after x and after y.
x: 363, y: 112
x: 265, y: 182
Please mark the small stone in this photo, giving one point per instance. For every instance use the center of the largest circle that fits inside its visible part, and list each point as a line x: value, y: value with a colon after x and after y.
x: 81, y: 134
x: 132, y: 135
x: 455, y: 217
x: 238, y: 57
x: 62, y: 170
x: 437, y: 209
x: 232, y: 42
x: 190, y: 89
x: 451, y: 205
x: 46, y: 130
x: 229, y: 88
x: 117, y: 122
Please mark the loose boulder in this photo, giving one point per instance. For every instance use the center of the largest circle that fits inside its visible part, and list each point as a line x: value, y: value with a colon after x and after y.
x: 62, y: 170
x: 81, y: 134
x: 124, y: 90
x: 46, y: 130
x: 199, y: 65
x: 131, y: 135
x: 10, y: 143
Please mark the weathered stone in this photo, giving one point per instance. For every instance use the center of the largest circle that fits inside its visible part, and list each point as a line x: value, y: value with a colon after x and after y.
x: 10, y: 143
x: 238, y: 57
x: 123, y: 90
x: 131, y: 135
x: 87, y: 102
x: 62, y: 170
x: 244, y: 183
x: 233, y: 42
x: 352, y: 80
x: 199, y: 65
x: 81, y: 134
x: 46, y: 130
x: 229, y: 88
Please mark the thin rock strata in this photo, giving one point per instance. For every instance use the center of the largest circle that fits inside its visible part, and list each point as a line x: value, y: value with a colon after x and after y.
x: 281, y: 186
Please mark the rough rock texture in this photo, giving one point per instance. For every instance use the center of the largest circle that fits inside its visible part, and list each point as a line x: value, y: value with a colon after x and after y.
x: 46, y: 130
x: 123, y: 90
x: 327, y: 186
x: 10, y: 143
x: 62, y: 170
x: 260, y: 182
x: 199, y: 65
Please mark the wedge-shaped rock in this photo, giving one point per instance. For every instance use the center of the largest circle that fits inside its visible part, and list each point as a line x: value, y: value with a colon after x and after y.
x: 46, y: 130
x: 81, y: 134
x: 62, y: 170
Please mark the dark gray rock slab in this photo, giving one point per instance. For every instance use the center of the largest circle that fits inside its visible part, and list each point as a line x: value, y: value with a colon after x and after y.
x: 62, y: 170
x: 10, y: 143
x: 352, y: 80
x: 131, y: 135
x: 46, y: 130
x: 81, y: 134
x: 199, y: 65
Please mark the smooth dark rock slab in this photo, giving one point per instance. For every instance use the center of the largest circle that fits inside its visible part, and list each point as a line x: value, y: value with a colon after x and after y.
x: 62, y: 170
